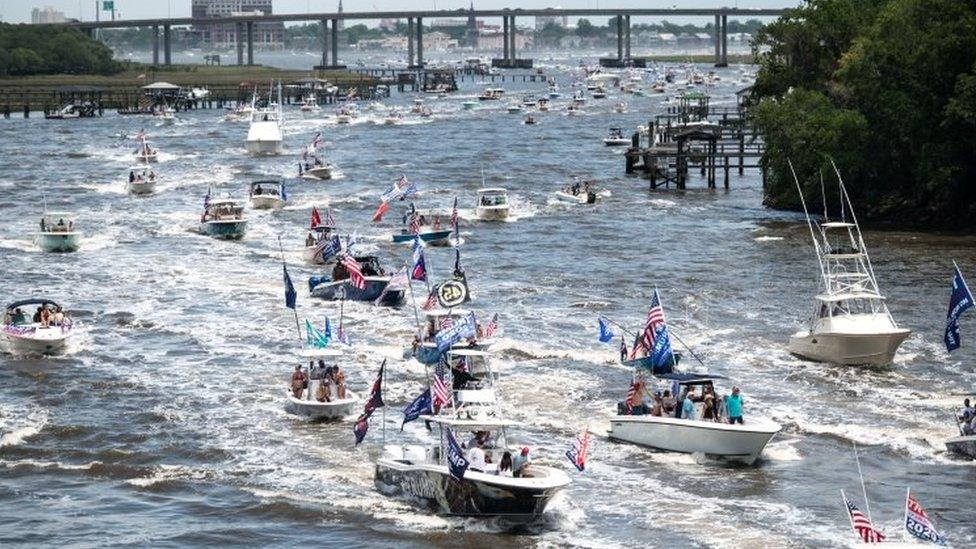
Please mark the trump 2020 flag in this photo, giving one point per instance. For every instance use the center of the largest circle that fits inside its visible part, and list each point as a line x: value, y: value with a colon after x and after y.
x: 606, y: 335
x: 419, y: 405
x: 456, y: 461
x: 918, y: 524
x: 290, y: 295
x: 577, y: 452
x: 960, y: 300
x: 464, y: 328
x: 419, y: 269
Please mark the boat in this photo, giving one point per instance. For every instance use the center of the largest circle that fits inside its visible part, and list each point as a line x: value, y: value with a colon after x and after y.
x: 264, y: 136
x: 426, y: 225
x: 530, y: 120
x: 599, y: 93
x: 423, y: 472
x: 337, y: 285
x: 57, y: 233
x: 469, y: 105
x: 491, y: 94
x: 659, y: 87
x: 851, y: 323
x: 145, y: 152
x: 492, y: 204
x: 315, y: 169
x: 317, y: 244
x: 575, y: 108
x: 67, y: 112
x: 344, y: 116
x: 167, y: 115
x: 241, y: 112
x: 306, y: 405
x: 514, y: 108
x: 616, y: 138
x: 269, y: 194
x: 529, y: 101
x: 543, y: 105
x: 553, y: 90
x: 223, y: 218
x: 26, y: 331
x: 424, y: 349
x: 309, y: 103
x: 577, y: 193
x: 716, y: 439
x: 418, y: 106
x: 963, y: 445
x: 620, y: 107
x: 142, y: 181
x: 393, y: 118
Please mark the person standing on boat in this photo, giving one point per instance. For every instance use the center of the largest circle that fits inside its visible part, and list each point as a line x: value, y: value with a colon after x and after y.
x: 733, y: 403
x: 688, y: 405
x: 966, y: 412
x: 476, y: 456
x: 298, y: 381
x: 521, y: 463
x: 339, y: 378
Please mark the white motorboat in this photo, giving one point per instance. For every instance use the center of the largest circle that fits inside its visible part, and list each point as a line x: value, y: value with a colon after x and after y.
x: 528, y: 101
x: 264, y: 136
x: 268, y: 194
x: 851, y: 323
x: 713, y: 438
x: 469, y: 105
x: 303, y: 401
x: 145, y: 152
x: 223, y: 218
x: 621, y: 107
x: 418, y: 106
x: 575, y: 108
x: 242, y: 112
x: 659, y: 87
x: 315, y: 169
x: 599, y: 93
x: 167, y: 115
x: 142, y: 181
x: 309, y: 103
x: 45, y: 331
x: 963, y: 445
x: 344, y: 116
x: 57, y: 233
x: 514, y: 108
x: 492, y: 94
x: 543, y: 105
x: 393, y: 118
x: 319, y: 242
x: 577, y: 193
x: 483, y: 490
x: 492, y: 204
x: 616, y: 138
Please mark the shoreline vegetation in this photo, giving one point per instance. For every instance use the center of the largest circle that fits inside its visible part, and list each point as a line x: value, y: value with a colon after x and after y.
x: 885, y: 88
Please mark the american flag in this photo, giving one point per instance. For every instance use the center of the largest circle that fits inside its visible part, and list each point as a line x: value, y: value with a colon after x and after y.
x: 577, y: 452
x: 633, y: 394
x: 356, y: 277
x: 454, y: 217
x: 439, y: 387
x: 414, y: 223
x: 655, y: 319
x: 430, y: 303
x: 861, y: 523
x: 492, y: 326
x: 446, y: 323
x: 329, y: 220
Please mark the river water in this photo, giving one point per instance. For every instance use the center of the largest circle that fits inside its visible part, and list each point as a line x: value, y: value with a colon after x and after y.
x: 164, y: 425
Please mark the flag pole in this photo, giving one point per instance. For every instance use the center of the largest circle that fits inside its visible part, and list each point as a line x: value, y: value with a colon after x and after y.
x: 674, y: 362
x: 864, y: 491
x: 908, y: 495
x: 383, y: 390
x: 850, y: 517
x: 294, y: 311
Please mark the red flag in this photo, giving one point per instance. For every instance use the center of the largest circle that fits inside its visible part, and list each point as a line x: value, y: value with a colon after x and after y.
x: 384, y: 207
x: 316, y: 220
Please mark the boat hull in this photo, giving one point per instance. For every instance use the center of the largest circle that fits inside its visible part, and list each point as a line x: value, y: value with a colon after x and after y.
x: 142, y: 189
x: 433, y: 238
x: 647, y: 363
x: 320, y: 173
x: 492, y: 213
x: 374, y: 288
x: 225, y: 230
x: 739, y: 443
x: 848, y: 349
x: 57, y: 243
x: 479, y: 494
x: 588, y: 198
x: 267, y: 202
x: 262, y: 147
x: 41, y: 341
x: 314, y: 410
x: 962, y: 445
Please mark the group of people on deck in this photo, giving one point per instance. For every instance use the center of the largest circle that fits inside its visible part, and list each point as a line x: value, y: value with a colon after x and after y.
x: 479, y: 460
x: 692, y: 403
x: 59, y: 227
x: 44, y: 316
x: 135, y: 177
x: 966, y: 419
x: 331, y: 381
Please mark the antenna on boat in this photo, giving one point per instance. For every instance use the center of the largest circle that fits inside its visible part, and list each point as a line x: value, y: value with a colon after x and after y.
x: 813, y: 235
x: 823, y: 195
x: 867, y: 504
x: 845, y: 198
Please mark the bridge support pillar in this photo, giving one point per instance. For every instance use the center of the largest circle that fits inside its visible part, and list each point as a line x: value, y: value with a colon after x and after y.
x: 725, y: 40
x: 505, y: 55
x: 166, y: 48
x: 410, y: 62
x: 420, y: 42
x: 325, y: 42
x: 620, y: 37
x: 718, y: 40
x: 155, y: 44
x: 511, y: 35
x: 627, y: 37
x: 239, y: 40
x: 335, y: 42
x: 250, y: 42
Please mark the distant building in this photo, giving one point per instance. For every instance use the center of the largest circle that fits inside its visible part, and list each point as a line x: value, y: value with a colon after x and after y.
x: 47, y: 15
x: 495, y: 40
x: 561, y: 21
x: 267, y: 34
x: 388, y: 25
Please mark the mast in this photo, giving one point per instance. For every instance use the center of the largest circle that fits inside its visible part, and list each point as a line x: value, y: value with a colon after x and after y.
x: 813, y: 235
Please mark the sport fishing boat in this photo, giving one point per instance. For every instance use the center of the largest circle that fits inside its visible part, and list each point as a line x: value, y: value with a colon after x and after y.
x: 142, y: 181
x: 616, y: 138
x: 269, y: 194
x: 577, y: 193
x: 425, y: 225
x: 423, y: 472
x: 264, y: 136
x: 306, y: 404
x: 851, y: 323
x: 425, y: 350
x: 26, y: 331
x: 714, y: 437
x: 57, y: 233
x: 223, y: 218
x: 492, y: 204
x: 338, y: 286
x: 145, y: 152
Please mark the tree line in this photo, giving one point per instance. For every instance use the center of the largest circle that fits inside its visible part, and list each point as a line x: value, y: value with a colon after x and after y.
x: 30, y: 49
x: 885, y: 88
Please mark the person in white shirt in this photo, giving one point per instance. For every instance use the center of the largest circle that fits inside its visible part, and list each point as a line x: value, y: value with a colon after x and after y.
x: 476, y: 457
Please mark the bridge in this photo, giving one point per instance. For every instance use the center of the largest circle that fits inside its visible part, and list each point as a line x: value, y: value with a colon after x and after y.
x: 415, y: 28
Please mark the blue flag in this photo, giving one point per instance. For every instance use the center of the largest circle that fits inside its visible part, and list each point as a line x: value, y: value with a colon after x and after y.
x: 419, y: 269
x: 419, y: 405
x: 456, y: 461
x: 464, y: 328
x: 661, y: 354
x: 328, y: 328
x: 284, y: 192
x: 290, y: 296
x: 605, y: 334
x: 960, y: 300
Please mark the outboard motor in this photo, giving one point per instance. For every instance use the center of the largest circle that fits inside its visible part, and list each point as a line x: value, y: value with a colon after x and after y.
x: 590, y: 197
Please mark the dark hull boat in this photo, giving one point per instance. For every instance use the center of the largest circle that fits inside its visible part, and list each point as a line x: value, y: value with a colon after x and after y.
x: 374, y: 288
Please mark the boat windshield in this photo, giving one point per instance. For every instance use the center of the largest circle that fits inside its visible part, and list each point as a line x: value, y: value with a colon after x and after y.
x: 494, y: 200
x: 57, y: 223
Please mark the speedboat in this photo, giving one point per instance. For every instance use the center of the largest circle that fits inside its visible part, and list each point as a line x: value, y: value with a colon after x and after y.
x: 529, y: 120
x: 393, y: 118
x: 309, y: 103
x: 492, y: 204
x: 659, y: 87
x: 344, y: 116
x: 616, y: 138
x: 963, y: 445
x: 268, y: 194
x: 338, y: 286
x: 418, y: 106
x: 223, y: 218
x: 315, y: 169
x: 167, y: 115
x: 576, y: 193
x: 424, y: 472
x: 306, y: 405
x: 319, y: 245
x: 57, y: 233
x: 426, y: 225
x: 713, y: 438
x: 424, y: 348
x: 264, y: 136
x: 145, y: 152
x: 575, y: 108
x: 514, y: 108
x: 26, y: 332
x: 851, y: 323
x: 599, y: 93
x: 543, y: 105
x: 529, y: 101
x: 142, y: 181
x: 469, y: 105
x: 492, y: 94
x: 620, y: 107
x: 553, y: 90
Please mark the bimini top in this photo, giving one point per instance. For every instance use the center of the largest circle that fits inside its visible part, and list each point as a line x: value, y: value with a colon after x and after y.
x: 31, y: 301
x: 266, y: 182
x: 690, y: 378
x: 487, y: 423
x: 833, y: 298
x: 492, y: 190
x: 320, y: 353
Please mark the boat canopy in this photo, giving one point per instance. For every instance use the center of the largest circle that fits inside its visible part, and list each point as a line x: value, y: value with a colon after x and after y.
x: 690, y: 378
x: 492, y: 190
x: 276, y: 182
x: 472, y: 424
x: 320, y: 353
x: 224, y: 202
x: 31, y: 301
x: 468, y: 352
x: 834, y: 298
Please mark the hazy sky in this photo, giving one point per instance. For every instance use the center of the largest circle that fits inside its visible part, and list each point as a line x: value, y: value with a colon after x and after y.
x: 18, y: 11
